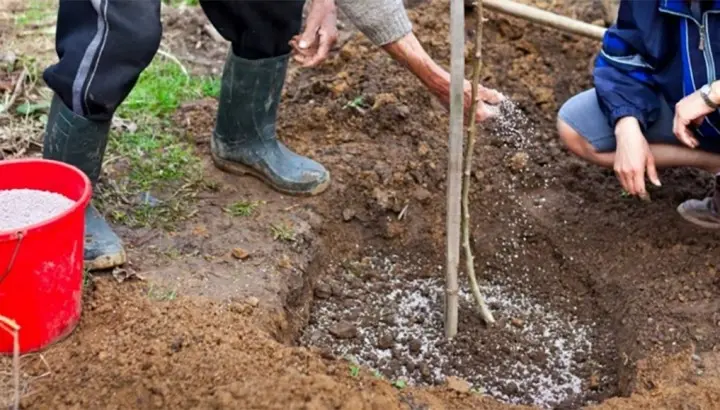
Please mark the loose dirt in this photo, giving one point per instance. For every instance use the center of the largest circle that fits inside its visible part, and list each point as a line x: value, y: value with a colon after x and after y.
x: 629, y: 286
x: 385, y: 312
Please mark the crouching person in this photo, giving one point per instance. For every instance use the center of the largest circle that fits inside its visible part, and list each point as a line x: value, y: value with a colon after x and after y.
x: 655, y: 101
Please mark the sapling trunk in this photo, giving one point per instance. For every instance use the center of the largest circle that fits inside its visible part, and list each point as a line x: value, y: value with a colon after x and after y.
x: 470, y: 146
x: 454, y: 174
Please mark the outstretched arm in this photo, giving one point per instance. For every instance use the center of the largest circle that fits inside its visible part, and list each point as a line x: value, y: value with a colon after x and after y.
x: 409, y: 52
x: 385, y: 23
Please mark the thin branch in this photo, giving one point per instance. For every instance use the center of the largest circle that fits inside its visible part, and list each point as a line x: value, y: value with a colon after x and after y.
x: 16, y: 92
x: 470, y: 146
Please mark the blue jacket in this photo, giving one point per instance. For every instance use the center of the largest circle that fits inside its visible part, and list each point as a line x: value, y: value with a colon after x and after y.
x: 657, y: 48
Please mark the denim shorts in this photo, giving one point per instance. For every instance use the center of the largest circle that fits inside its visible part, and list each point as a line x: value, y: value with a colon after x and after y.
x: 583, y: 114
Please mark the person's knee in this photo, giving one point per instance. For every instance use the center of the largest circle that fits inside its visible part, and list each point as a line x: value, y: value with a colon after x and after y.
x: 573, y: 141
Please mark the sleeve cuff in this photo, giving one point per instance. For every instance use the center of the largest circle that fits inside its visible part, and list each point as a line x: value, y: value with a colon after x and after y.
x: 619, y: 113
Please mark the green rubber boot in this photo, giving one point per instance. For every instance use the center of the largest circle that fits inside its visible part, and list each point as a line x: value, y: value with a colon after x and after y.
x: 244, y: 140
x: 77, y: 141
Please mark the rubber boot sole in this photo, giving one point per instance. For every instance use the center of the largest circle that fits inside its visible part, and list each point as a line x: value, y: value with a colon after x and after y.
x: 106, y: 262
x: 241, y: 170
x: 699, y: 222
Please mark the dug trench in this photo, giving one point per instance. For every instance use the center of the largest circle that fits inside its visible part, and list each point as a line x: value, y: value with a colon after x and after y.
x: 596, y: 295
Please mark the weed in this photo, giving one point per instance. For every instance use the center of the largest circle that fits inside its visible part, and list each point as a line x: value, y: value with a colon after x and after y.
x: 87, y: 279
x: 477, y: 390
x: 399, y: 384
x: 157, y: 173
x: 378, y: 375
x: 282, y: 232
x: 161, y: 294
x: 243, y: 208
x: 162, y: 87
x: 354, y: 370
x: 358, y: 104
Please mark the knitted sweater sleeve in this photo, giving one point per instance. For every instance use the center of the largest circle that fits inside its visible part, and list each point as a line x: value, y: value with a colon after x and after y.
x: 382, y: 21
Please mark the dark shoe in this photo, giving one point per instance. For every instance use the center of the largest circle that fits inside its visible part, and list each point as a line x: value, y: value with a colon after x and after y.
x: 244, y: 140
x: 703, y: 212
x: 77, y: 141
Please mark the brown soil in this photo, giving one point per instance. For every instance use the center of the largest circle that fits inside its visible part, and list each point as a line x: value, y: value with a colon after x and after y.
x: 641, y: 282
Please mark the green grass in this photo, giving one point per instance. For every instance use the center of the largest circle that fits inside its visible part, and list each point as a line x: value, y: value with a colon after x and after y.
x: 38, y: 11
x: 243, y: 208
x: 155, y: 159
x: 162, y: 87
x: 282, y: 232
x: 176, y: 3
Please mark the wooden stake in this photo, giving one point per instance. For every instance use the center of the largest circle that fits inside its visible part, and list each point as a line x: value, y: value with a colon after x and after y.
x: 454, y: 173
x: 470, y: 146
x: 546, y: 18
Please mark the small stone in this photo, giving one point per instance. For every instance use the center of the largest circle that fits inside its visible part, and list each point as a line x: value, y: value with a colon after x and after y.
x: 386, y: 341
x: 348, y: 214
x: 343, y: 330
x: 383, y: 198
x: 518, y: 323
x: 423, y: 149
x: 415, y: 346
x: 421, y: 194
x: 403, y: 111
x: 594, y: 382
x: 323, y: 290
x: 519, y: 161
x: 240, y: 253
x: 253, y: 301
x: 457, y: 384
x: 425, y: 370
x: 102, y: 356
x: 384, y: 99
x: 315, y: 337
x: 681, y: 298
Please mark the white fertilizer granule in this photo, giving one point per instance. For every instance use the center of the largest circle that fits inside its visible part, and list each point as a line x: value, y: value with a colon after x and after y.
x: 22, y: 207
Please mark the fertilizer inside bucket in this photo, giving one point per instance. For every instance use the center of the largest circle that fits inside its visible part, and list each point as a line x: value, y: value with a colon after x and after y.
x: 23, y: 207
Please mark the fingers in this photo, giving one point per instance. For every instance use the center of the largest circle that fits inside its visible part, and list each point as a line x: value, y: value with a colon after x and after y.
x: 485, y: 112
x: 326, y: 41
x: 308, y: 38
x: 681, y: 129
x: 652, y: 171
x: 626, y: 181
x: 490, y: 96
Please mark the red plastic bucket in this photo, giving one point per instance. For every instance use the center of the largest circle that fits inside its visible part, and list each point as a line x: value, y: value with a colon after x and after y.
x: 41, y: 266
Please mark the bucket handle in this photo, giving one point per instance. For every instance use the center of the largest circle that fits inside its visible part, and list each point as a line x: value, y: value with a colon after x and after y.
x: 20, y: 236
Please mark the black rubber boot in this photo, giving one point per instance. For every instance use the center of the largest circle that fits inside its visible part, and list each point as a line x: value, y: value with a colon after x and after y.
x: 704, y: 212
x: 77, y: 141
x: 244, y: 140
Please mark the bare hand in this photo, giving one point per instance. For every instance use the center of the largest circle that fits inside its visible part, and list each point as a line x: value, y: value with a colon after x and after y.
x: 689, y: 111
x: 633, y: 158
x: 313, y: 45
x: 485, y: 97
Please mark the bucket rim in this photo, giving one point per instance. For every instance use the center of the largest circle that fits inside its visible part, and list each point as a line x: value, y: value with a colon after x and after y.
x: 8, y: 235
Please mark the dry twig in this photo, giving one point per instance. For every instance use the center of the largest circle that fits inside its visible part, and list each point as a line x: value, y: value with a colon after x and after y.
x: 16, y: 92
x: 174, y: 59
x: 469, y: 147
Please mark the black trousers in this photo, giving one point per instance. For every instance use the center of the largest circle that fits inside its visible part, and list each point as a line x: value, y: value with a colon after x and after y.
x: 104, y: 45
